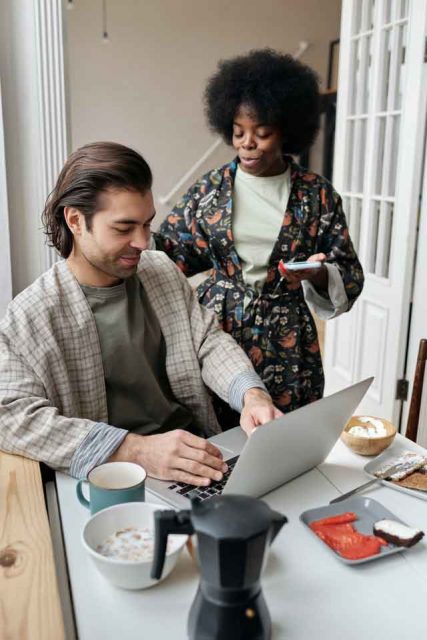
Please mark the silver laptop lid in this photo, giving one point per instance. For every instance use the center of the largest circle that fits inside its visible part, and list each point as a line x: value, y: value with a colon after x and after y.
x: 294, y: 443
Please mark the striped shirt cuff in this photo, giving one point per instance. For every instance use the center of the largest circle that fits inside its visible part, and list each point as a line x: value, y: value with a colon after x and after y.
x: 240, y: 384
x: 99, y: 444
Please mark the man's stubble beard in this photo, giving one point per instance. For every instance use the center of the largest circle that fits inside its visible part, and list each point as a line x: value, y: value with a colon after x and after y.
x: 111, y: 268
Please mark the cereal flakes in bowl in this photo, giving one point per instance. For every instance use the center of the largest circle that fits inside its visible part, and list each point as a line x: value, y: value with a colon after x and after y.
x: 120, y: 541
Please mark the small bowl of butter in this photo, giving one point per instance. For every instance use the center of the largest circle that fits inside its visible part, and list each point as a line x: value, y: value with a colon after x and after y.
x: 368, y: 435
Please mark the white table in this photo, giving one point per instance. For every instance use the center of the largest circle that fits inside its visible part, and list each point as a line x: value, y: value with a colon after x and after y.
x: 310, y: 593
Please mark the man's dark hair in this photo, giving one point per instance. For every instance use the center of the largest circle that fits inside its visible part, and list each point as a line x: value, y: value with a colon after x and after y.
x: 278, y: 89
x: 88, y: 172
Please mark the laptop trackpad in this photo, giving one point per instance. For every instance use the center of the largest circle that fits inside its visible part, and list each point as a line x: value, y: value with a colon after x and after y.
x: 230, y: 442
x: 226, y: 453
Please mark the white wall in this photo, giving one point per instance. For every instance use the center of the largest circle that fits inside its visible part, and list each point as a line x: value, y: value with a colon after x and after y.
x: 144, y: 88
x: 5, y: 266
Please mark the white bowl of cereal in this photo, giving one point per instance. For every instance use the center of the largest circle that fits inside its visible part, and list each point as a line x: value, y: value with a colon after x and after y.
x: 120, y: 541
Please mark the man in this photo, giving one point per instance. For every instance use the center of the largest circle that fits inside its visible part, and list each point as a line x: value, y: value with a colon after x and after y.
x: 107, y: 355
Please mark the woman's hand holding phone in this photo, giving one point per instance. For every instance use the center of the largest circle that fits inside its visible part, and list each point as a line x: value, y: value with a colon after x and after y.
x: 302, y: 266
x: 317, y: 273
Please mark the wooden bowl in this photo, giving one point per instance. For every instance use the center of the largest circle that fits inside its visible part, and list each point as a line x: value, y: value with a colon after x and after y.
x: 370, y: 446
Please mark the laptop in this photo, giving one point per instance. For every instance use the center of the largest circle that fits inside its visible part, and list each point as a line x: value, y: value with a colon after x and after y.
x: 275, y: 453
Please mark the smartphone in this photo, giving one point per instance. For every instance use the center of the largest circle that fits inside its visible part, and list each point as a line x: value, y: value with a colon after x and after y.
x: 299, y: 266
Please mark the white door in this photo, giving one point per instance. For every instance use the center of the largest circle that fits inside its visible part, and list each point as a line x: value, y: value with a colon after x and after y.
x: 5, y: 270
x: 378, y: 157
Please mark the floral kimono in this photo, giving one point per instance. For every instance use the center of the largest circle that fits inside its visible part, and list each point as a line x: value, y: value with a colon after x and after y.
x: 274, y: 326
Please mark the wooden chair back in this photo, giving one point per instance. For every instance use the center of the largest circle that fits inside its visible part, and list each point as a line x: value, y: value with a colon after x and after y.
x: 417, y: 390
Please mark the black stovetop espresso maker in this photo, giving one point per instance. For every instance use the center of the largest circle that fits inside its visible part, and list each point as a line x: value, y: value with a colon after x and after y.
x: 233, y: 534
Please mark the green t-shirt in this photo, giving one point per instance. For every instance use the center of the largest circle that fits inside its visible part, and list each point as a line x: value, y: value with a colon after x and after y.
x: 139, y: 397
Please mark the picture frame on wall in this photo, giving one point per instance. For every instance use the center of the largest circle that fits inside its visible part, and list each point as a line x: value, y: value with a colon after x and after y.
x: 324, y: 146
x: 333, y: 61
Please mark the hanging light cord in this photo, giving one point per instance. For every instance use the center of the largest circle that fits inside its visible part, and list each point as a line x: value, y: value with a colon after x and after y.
x: 104, y: 20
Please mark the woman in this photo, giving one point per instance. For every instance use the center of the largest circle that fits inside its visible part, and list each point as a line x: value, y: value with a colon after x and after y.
x: 242, y: 219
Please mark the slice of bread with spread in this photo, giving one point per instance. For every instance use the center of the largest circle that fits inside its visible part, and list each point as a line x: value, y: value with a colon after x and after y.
x: 417, y: 480
x: 397, y: 533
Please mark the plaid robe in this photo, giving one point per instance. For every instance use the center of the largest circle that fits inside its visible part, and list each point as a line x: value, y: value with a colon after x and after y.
x: 52, y: 389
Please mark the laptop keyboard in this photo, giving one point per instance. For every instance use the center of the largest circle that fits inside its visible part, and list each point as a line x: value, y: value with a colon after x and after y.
x: 199, y: 494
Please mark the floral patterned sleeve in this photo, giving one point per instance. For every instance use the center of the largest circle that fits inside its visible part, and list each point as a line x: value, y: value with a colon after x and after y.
x: 181, y: 234
x: 334, y: 240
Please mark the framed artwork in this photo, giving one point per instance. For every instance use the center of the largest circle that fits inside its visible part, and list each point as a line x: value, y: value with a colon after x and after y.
x: 321, y: 155
x: 334, y: 53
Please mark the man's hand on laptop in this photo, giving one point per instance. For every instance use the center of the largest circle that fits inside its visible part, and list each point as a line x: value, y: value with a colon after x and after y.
x: 177, y: 455
x: 258, y: 408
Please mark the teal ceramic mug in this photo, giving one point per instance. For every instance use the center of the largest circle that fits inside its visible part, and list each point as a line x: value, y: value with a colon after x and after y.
x: 113, y: 483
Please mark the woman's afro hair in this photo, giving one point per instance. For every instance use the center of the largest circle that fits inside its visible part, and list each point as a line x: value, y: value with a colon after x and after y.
x: 278, y: 89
